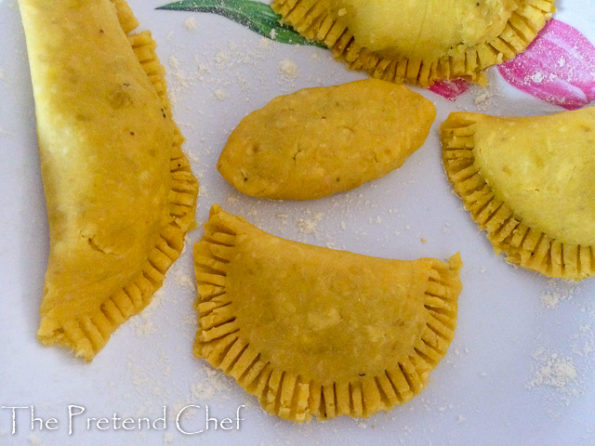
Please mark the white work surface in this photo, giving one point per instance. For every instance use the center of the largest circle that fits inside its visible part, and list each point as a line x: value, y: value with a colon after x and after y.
x: 521, y: 369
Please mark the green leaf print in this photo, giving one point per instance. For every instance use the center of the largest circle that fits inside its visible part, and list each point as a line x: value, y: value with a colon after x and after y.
x: 257, y: 16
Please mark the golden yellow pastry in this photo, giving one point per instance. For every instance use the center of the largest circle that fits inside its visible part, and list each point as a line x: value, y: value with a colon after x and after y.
x: 311, y: 331
x: 419, y: 41
x: 530, y: 184
x: 320, y: 141
x: 120, y: 193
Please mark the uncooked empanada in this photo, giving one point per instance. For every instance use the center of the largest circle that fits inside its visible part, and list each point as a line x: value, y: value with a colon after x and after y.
x: 419, y: 41
x: 314, y: 331
x: 320, y: 141
x: 530, y: 184
x: 120, y: 193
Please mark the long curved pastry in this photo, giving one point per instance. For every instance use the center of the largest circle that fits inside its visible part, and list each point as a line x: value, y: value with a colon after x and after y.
x: 314, y: 331
x: 419, y: 41
x: 320, y: 141
x: 530, y: 184
x: 120, y: 193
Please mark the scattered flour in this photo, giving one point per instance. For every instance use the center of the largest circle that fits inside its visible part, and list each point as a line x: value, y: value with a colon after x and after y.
x: 557, y: 372
x: 309, y: 225
x: 283, y: 218
x: 557, y: 291
x: 201, y: 68
x: 375, y: 220
x: 220, y: 94
x: 264, y: 43
x: 586, y: 341
x: 143, y: 323
x: 361, y: 423
x: 143, y: 326
x: 288, y: 69
x: 202, y: 391
x: 184, y: 280
x: 195, y: 159
x: 483, y: 97
x: 209, y: 383
x: 221, y: 59
x: 554, y: 371
x: 174, y: 62
x: 190, y: 23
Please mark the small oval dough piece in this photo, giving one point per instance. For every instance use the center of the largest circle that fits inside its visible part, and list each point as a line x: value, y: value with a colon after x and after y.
x: 320, y: 141
x: 313, y: 331
x: 419, y: 41
x: 530, y: 182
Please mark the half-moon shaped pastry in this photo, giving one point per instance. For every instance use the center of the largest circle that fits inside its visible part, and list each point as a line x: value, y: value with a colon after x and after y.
x: 314, y: 331
x: 419, y: 41
x: 120, y: 193
x: 530, y: 184
x: 320, y: 141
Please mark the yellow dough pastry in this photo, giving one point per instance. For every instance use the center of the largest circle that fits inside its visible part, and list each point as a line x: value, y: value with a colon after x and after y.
x: 419, y: 41
x: 530, y: 184
x: 316, y: 332
x: 320, y: 141
x: 120, y: 193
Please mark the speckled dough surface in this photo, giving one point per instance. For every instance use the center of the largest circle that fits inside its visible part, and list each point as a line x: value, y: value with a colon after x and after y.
x: 314, y: 331
x: 320, y: 141
x: 530, y: 183
x: 102, y: 113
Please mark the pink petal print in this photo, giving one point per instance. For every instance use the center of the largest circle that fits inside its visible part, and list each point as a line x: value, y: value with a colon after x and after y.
x: 450, y: 89
x: 558, y: 67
